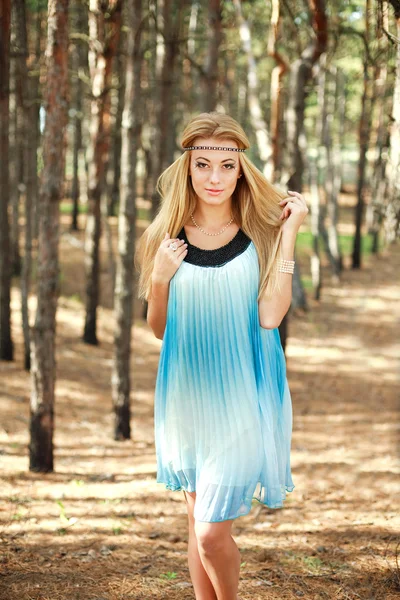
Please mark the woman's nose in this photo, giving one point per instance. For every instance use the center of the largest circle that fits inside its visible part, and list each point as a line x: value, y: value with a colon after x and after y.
x: 214, y: 175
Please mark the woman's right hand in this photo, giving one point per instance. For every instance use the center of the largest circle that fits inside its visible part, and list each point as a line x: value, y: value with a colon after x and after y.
x: 168, y: 261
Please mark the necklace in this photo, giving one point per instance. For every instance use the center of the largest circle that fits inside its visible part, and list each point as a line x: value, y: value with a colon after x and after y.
x: 219, y: 232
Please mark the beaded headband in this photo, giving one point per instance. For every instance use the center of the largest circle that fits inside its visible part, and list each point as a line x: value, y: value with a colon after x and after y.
x: 214, y: 148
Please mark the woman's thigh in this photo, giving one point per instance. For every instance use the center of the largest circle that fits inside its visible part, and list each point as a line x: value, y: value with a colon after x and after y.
x: 205, y: 529
x: 190, y: 499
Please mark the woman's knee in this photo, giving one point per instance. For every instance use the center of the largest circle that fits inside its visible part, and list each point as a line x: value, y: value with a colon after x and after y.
x: 212, y: 537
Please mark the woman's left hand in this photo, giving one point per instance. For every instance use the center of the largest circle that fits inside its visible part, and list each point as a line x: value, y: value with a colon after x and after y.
x: 295, y: 211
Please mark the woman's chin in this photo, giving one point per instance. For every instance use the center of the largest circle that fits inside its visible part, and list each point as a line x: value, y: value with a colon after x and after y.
x: 212, y: 200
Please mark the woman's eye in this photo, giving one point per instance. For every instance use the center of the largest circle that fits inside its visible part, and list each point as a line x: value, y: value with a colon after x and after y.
x: 201, y: 165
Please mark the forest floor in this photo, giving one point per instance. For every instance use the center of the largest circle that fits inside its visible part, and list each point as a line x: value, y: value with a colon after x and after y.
x: 101, y: 528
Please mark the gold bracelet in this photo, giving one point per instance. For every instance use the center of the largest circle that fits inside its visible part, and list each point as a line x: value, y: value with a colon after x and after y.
x: 286, y: 266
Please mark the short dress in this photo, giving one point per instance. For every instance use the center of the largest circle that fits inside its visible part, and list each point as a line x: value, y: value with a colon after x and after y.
x: 222, y: 405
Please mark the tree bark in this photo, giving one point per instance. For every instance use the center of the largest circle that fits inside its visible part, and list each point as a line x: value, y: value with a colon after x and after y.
x: 379, y: 140
x: 364, y: 133
x: 124, y: 287
x: 164, y: 146
x: 328, y: 207
x: 256, y: 114
x: 43, y: 371
x: 14, y: 147
x: 210, y: 80
x: 392, y: 216
x: 300, y: 74
x: 116, y: 136
x: 333, y: 199
x: 78, y: 15
x: 6, y: 345
x: 35, y: 136
x: 29, y: 117
x: 276, y: 87
x: 104, y: 30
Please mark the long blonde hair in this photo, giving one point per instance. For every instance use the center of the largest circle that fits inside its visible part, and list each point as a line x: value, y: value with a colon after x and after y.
x: 255, y: 204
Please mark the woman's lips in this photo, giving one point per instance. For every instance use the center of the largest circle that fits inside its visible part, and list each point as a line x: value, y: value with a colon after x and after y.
x: 214, y: 192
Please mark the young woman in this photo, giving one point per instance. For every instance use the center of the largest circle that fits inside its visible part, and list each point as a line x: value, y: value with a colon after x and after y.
x: 216, y: 268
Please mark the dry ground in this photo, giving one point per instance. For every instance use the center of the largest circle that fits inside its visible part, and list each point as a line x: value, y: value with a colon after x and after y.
x: 100, y: 528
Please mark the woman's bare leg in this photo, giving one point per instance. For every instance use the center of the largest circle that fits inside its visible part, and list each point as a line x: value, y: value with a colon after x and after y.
x: 202, y: 585
x: 220, y: 557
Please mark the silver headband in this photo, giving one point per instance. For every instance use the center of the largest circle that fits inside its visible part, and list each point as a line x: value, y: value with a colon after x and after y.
x: 214, y: 148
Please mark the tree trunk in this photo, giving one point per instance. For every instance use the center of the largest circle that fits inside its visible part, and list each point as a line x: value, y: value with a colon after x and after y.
x: 35, y: 136
x: 28, y: 124
x: 14, y: 150
x: 300, y: 74
x: 104, y: 30
x: 116, y: 142
x: 31, y: 117
x: 43, y: 371
x: 172, y: 15
x: 318, y: 209
x: 363, y: 133
x: 326, y: 102
x: 339, y: 109
x: 256, y: 114
x: 276, y: 86
x: 6, y: 345
x: 78, y: 15
x: 210, y: 81
x: 124, y: 296
x: 392, y: 216
x: 374, y: 211
x: 364, y: 130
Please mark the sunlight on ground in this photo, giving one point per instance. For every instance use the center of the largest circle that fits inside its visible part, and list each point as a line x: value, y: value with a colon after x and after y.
x: 101, y: 516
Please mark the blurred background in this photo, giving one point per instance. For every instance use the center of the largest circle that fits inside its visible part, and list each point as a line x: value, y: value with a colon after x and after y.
x: 94, y: 95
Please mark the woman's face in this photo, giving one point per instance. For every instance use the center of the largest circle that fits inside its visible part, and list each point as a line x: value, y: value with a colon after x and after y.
x: 214, y: 173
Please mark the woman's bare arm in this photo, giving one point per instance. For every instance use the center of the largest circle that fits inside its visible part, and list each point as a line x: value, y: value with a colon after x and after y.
x: 272, y: 310
x: 157, y: 307
x: 166, y: 263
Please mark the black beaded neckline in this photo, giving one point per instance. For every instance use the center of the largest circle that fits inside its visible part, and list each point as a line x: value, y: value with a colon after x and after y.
x: 218, y: 256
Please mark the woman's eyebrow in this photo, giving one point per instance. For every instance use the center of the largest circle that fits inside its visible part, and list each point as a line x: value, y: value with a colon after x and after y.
x: 222, y: 161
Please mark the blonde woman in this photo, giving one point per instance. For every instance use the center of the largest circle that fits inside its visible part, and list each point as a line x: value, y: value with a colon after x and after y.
x: 216, y: 268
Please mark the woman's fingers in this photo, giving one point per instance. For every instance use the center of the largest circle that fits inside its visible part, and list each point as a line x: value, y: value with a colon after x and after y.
x: 181, y: 252
x: 286, y: 211
x: 296, y: 199
x: 170, y: 251
x: 167, y: 241
x: 293, y: 199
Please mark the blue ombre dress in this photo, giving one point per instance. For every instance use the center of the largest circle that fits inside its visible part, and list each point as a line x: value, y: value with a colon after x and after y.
x: 223, y: 410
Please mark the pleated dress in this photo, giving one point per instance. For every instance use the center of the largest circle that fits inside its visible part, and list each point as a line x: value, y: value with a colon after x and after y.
x: 222, y: 405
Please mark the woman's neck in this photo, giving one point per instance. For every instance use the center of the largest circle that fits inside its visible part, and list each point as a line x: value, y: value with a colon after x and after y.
x: 212, y: 217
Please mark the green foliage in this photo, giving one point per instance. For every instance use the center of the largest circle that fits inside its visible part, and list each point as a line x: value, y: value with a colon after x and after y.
x: 17, y: 516
x: 305, y: 239
x: 77, y: 482
x: 313, y: 563
x: 169, y: 575
x: 63, y: 516
x: 117, y: 530
x: 67, y: 207
x: 35, y: 6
